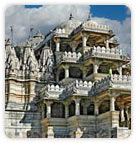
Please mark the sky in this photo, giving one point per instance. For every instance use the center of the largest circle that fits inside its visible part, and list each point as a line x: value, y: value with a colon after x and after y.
x: 46, y: 17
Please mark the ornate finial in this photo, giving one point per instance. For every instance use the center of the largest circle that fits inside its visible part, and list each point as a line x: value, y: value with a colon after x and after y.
x: 11, y: 30
x: 28, y: 44
x: 8, y: 42
x: 31, y: 32
x: 71, y: 17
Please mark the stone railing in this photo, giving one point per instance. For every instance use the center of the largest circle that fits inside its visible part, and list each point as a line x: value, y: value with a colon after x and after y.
x: 52, y: 91
x: 100, y: 86
x: 114, y: 81
x: 79, y: 87
x: 61, y: 32
x: 96, y: 27
x: 119, y: 78
x: 121, y: 82
x: 103, y: 52
x: 71, y: 57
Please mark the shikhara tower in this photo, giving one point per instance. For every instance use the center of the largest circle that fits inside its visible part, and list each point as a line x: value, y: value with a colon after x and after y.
x: 72, y: 82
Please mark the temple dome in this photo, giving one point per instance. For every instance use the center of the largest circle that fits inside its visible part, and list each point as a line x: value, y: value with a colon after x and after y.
x: 91, y: 22
x: 69, y: 25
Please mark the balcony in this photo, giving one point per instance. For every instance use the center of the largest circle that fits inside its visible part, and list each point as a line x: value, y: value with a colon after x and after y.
x: 103, y: 52
x: 69, y: 57
x: 96, y: 28
x: 96, y: 76
x: 51, y: 91
x: 79, y: 87
x: 93, y: 28
x: 112, y: 82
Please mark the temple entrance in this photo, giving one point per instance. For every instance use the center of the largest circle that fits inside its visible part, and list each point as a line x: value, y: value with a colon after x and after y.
x: 90, y: 109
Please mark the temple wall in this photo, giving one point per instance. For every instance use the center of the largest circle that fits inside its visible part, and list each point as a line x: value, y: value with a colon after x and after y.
x: 22, y: 124
x: 22, y: 117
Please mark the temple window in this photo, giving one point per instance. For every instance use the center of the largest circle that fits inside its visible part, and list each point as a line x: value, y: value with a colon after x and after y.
x: 104, y: 106
x: 57, y: 110
x: 79, y: 48
x: 103, y: 68
x: 90, y: 109
x: 75, y: 72
x: 72, y: 109
x: 65, y: 48
x: 61, y: 74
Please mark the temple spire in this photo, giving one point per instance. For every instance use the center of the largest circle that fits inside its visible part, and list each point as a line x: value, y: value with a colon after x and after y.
x: 11, y: 30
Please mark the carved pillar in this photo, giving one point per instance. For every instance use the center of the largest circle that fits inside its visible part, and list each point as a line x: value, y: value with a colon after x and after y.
x: 57, y: 76
x: 48, y: 109
x: 84, y: 38
x: 84, y: 73
x: 57, y: 45
x: 112, y: 103
x: 95, y: 68
x: 122, y: 113
x: 66, y: 72
x: 127, y: 115
x: 107, y: 43
x: 66, y: 110
x: 73, y: 45
x: 120, y: 71
x: 43, y: 111
x: 96, y: 108
x: 85, y: 104
x: 77, y: 103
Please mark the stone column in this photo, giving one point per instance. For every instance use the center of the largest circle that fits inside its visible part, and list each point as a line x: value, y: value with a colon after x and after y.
x: 120, y: 71
x: 112, y: 103
x: 122, y: 114
x: 48, y: 109
x: 84, y: 41
x: 95, y: 68
x: 66, y: 110
x: 96, y: 108
x: 84, y: 73
x: 77, y: 104
x: 57, y: 46
x: 57, y: 76
x: 43, y: 111
x: 66, y: 72
x: 85, y: 104
x: 127, y: 114
x: 107, y: 43
x: 73, y: 45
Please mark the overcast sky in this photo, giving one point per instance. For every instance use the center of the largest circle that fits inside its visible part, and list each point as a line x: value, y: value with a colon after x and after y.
x: 45, y: 18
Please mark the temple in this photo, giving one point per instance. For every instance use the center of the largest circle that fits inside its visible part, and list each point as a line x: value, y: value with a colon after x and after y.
x: 74, y: 82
